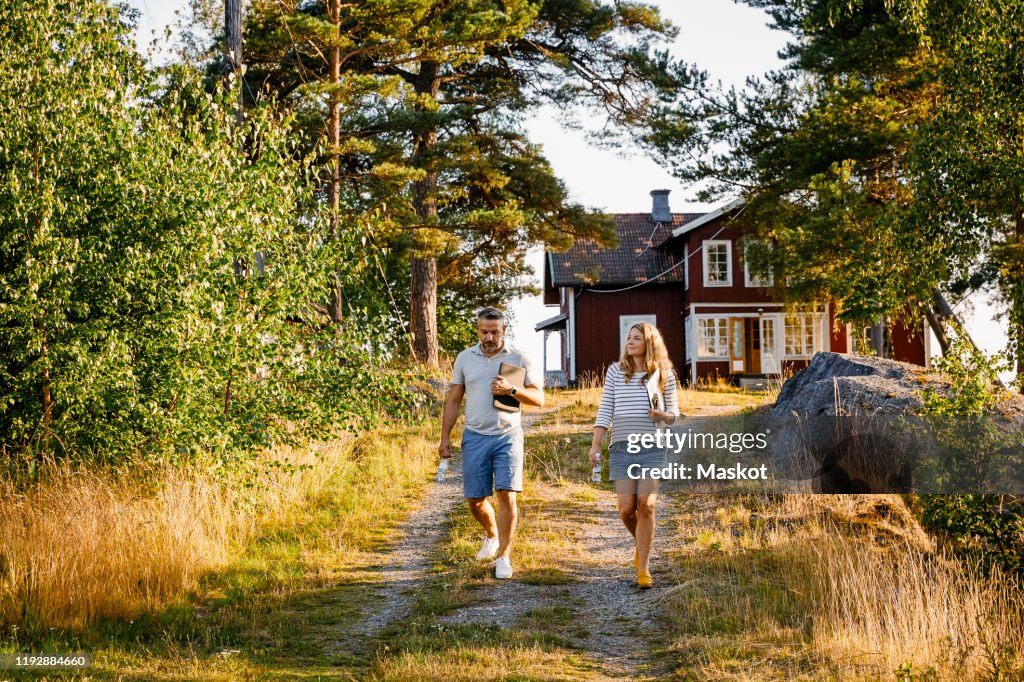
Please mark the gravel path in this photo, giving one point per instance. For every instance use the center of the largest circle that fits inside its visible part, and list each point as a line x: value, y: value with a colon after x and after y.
x: 407, y: 561
x: 619, y: 614
x: 613, y: 614
x: 615, y: 617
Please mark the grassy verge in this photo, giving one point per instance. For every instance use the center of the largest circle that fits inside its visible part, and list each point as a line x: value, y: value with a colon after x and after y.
x: 831, y: 587
x: 194, y: 579
x: 198, y: 576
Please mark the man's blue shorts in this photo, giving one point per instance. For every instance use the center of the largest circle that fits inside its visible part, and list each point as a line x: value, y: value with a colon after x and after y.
x: 492, y: 462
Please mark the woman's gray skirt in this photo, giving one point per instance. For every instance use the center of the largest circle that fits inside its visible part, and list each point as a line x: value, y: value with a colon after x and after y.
x: 620, y: 460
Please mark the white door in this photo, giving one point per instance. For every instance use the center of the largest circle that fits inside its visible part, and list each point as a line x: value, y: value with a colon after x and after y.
x: 627, y: 321
x: 769, y: 347
x: 737, y: 343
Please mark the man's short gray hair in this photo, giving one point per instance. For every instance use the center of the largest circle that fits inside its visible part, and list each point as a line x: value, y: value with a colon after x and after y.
x: 491, y: 313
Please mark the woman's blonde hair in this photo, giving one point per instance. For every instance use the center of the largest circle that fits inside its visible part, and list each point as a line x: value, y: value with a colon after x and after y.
x: 655, y: 354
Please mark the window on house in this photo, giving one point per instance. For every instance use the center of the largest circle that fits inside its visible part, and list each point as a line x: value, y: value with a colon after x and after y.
x: 755, y: 279
x: 717, y: 263
x: 802, y: 335
x: 713, y: 337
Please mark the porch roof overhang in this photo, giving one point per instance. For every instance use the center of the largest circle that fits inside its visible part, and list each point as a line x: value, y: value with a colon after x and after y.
x: 556, y: 322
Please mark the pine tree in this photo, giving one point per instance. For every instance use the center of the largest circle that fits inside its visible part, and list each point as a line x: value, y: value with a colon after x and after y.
x: 884, y: 160
x: 433, y: 95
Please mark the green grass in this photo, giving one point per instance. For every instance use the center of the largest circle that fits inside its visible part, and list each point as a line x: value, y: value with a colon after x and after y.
x: 277, y: 611
x: 542, y: 643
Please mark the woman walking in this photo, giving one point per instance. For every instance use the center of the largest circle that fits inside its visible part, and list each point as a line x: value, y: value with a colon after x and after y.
x: 634, y: 407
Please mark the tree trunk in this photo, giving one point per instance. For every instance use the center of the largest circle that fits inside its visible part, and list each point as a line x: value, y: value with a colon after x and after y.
x: 943, y: 314
x: 1017, y: 299
x: 44, y: 446
x: 937, y: 314
x: 938, y: 329
x: 424, y: 309
x: 880, y: 338
x: 47, y: 398
x: 423, y: 299
x: 334, y: 138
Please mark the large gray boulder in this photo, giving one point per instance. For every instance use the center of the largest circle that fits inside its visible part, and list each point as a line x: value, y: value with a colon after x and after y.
x: 837, y: 384
x: 848, y: 424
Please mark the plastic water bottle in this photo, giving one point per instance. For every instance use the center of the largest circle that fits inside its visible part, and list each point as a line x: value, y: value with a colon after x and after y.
x: 596, y: 477
x: 442, y: 469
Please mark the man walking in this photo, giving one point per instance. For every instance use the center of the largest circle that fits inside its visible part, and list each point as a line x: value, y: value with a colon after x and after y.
x: 492, y: 442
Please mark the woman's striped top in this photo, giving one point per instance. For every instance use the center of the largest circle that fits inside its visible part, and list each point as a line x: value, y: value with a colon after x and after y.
x: 626, y: 405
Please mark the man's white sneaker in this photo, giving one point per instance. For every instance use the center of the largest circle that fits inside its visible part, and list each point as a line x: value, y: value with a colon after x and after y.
x: 487, y: 550
x: 502, y: 568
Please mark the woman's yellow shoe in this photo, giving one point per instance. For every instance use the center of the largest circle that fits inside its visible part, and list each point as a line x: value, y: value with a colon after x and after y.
x: 644, y: 580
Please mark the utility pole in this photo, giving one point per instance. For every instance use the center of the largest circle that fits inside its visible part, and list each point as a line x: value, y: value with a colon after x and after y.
x: 233, y: 55
x: 234, y: 59
x: 334, y: 139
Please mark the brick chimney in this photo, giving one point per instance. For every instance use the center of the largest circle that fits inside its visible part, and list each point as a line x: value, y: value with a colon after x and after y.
x: 660, y: 210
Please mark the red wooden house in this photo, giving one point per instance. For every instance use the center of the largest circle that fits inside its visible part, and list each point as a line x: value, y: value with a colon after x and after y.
x: 685, y: 273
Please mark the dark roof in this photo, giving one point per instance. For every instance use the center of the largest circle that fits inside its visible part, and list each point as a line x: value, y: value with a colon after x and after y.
x: 638, y: 258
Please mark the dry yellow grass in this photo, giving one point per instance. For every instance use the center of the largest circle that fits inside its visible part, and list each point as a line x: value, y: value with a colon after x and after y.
x: 895, y: 604
x: 579, y: 405
x: 833, y: 587
x: 695, y: 401
x: 796, y: 587
x: 81, y: 545
x: 843, y: 587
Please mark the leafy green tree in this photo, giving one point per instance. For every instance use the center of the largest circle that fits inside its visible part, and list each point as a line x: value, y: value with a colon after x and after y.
x: 883, y: 160
x: 986, y: 528
x: 819, y: 150
x: 968, y: 162
x: 974, y: 451
x: 135, y: 317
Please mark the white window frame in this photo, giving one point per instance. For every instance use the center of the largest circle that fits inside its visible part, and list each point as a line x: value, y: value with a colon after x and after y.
x: 748, y: 281
x: 721, y: 335
x: 706, y: 247
x: 686, y: 267
x: 688, y: 333
x: 807, y: 324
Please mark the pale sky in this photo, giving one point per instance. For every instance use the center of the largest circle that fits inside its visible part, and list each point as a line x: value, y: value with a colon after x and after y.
x: 731, y: 42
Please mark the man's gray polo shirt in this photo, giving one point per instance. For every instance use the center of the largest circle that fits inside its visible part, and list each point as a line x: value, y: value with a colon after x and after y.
x: 475, y: 370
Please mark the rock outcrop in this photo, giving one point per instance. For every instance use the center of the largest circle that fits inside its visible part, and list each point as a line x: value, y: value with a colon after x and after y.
x: 848, y: 424
x: 835, y: 384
